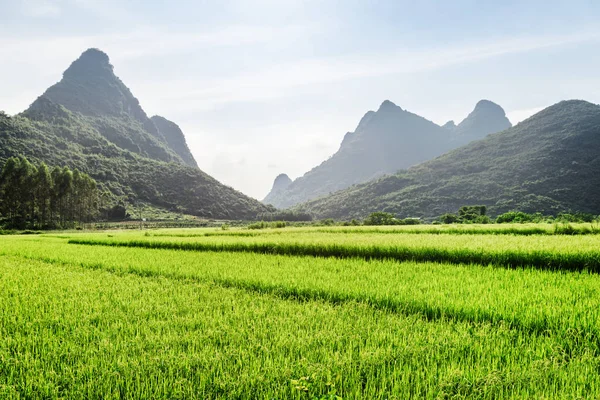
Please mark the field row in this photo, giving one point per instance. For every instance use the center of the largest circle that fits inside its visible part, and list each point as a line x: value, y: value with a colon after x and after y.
x: 544, y: 229
x: 129, y: 315
x: 79, y: 333
x: 530, y: 300
x: 543, y: 252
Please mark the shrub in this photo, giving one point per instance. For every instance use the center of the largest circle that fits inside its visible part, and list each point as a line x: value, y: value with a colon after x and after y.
x: 265, y: 225
x: 328, y: 222
x: 471, y: 213
x: 449, y: 219
x: 381, y: 218
x: 513, y: 217
x: 258, y: 225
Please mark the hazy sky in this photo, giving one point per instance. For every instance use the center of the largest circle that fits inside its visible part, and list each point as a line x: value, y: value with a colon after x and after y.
x: 261, y: 87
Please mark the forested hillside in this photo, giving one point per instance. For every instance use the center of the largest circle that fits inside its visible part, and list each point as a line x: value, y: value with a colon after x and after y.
x: 90, y: 121
x: 548, y: 163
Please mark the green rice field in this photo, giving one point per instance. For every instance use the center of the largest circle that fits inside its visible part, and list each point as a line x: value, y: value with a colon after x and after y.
x: 427, y: 312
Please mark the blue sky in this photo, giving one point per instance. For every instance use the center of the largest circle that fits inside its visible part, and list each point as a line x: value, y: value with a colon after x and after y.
x: 262, y: 87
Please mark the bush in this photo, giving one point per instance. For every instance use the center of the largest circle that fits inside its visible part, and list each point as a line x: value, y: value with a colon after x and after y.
x: 482, y: 219
x: 409, y: 221
x: 449, y: 219
x: 117, y: 213
x: 258, y: 225
x: 265, y: 225
x: 471, y: 213
x: 513, y: 217
x: 381, y: 218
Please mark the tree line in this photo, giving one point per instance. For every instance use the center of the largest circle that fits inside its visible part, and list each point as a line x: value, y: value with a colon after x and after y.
x: 36, y: 196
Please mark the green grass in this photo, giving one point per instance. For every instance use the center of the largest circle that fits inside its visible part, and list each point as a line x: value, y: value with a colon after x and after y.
x: 553, y: 252
x: 90, y: 334
x: 82, y: 321
x: 529, y: 299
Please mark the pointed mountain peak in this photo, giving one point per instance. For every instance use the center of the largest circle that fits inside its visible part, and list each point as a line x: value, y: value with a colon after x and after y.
x: 450, y: 125
x: 90, y: 87
x: 487, y: 117
x: 95, y: 55
x: 91, y: 62
x: 280, y: 184
x: 489, y: 106
x: 282, y: 181
x: 388, y: 106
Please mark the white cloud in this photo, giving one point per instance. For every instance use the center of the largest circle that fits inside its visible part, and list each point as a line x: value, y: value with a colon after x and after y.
x: 275, y: 81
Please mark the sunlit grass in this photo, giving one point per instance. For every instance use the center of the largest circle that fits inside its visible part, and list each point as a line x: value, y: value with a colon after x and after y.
x: 82, y: 321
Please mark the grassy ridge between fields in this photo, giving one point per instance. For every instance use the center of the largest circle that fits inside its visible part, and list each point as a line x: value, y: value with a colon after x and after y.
x: 585, y: 260
x: 471, y: 229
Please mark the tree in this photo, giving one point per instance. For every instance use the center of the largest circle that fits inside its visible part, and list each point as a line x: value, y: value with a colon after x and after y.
x: 381, y: 218
x: 33, y: 196
x: 63, y: 188
x: 471, y: 213
x: 43, y: 185
x: 449, y: 219
x: 9, y: 184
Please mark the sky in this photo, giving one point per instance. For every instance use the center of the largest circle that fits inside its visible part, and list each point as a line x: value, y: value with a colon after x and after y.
x: 262, y: 87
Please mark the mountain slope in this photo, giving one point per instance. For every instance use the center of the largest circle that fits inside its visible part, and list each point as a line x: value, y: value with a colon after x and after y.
x: 384, y: 142
x: 175, y: 139
x: 90, y: 87
x: 60, y: 135
x: 548, y: 163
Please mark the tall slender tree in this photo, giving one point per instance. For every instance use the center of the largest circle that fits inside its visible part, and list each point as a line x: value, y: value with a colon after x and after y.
x: 44, y: 185
x: 34, y: 196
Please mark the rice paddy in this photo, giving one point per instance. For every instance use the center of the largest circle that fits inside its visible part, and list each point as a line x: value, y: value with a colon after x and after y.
x: 301, y: 313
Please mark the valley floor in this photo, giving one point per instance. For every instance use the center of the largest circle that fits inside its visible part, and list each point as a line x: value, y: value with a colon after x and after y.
x: 307, y: 313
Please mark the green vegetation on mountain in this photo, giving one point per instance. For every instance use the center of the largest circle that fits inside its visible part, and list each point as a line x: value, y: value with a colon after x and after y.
x: 175, y: 139
x: 384, y: 142
x: 91, y: 122
x: 548, y: 163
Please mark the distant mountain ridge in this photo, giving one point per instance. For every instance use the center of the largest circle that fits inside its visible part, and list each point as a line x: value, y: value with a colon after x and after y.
x: 384, y: 142
x: 548, y: 163
x: 92, y: 122
x: 487, y: 117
